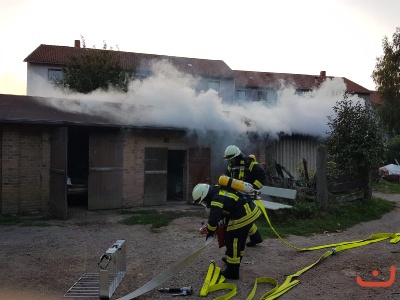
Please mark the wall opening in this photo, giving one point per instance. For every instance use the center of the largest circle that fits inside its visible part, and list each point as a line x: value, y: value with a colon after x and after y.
x: 176, y: 163
x: 78, y: 167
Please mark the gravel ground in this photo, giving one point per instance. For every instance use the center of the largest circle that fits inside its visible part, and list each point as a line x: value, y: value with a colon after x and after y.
x: 44, y: 262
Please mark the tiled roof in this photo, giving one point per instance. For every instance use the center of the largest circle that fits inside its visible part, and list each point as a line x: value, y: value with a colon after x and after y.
x: 252, y: 79
x: 204, y: 67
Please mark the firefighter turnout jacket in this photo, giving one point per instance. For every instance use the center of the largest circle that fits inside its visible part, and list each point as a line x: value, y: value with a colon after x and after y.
x: 237, y: 209
x: 249, y: 171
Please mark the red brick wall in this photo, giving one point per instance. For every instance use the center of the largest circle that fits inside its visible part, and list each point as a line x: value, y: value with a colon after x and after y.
x: 25, y: 166
x: 133, y: 178
x: 135, y: 143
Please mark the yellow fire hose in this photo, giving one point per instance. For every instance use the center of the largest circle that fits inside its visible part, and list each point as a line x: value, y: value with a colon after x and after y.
x: 290, y: 282
x: 214, y: 281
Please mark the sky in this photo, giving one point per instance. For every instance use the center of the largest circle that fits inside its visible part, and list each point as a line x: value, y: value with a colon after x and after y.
x: 341, y: 37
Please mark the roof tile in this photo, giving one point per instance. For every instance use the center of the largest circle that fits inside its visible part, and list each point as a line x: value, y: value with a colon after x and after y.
x: 204, y: 67
x: 252, y: 79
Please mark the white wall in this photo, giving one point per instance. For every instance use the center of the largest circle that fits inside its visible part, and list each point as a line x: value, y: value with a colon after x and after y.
x: 37, y: 79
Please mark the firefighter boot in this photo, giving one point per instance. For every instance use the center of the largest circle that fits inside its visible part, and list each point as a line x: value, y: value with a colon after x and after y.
x: 255, y: 239
x: 231, y: 271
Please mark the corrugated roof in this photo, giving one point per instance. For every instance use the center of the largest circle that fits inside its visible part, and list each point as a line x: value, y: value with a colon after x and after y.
x: 253, y: 79
x: 61, y: 54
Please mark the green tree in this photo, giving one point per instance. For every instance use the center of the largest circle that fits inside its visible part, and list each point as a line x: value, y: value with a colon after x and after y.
x: 386, y: 76
x: 393, y: 146
x: 355, y: 141
x: 94, y: 69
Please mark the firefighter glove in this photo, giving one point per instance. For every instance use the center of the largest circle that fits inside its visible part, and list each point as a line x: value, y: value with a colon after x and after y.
x: 203, y: 230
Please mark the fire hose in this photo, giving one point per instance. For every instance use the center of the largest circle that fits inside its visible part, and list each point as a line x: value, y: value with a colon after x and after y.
x: 167, y: 274
x: 290, y: 282
x: 214, y: 281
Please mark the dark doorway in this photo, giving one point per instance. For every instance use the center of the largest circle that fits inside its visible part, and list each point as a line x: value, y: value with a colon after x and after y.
x: 78, y: 167
x: 176, y: 162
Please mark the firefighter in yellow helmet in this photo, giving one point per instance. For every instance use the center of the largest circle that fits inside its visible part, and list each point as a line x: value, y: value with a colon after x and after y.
x: 238, y: 213
x: 246, y: 168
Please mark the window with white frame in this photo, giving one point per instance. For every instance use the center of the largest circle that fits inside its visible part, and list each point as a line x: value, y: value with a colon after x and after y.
x: 55, y: 75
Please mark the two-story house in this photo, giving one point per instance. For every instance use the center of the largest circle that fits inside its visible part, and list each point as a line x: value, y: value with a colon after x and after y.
x: 47, y: 61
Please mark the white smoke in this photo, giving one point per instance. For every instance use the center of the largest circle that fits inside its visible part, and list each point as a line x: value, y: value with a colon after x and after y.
x: 168, y: 98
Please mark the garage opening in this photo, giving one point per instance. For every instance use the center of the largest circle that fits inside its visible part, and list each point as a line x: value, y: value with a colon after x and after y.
x: 78, y: 167
x: 176, y: 163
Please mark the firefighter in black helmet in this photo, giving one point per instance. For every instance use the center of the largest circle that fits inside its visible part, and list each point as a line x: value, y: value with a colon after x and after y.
x: 246, y: 168
x: 237, y: 211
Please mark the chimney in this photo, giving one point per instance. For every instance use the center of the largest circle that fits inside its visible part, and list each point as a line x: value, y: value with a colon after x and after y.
x: 322, y: 74
x: 77, y: 43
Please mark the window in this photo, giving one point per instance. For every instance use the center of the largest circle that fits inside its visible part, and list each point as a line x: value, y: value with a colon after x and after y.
x: 55, y: 75
x: 241, y: 95
x: 213, y: 85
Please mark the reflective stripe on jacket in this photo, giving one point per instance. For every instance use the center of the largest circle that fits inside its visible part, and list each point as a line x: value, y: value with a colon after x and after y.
x: 235, y: 207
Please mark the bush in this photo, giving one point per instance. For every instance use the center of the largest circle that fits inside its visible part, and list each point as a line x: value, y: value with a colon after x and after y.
x: 393, y: 147
x: 305, y: 210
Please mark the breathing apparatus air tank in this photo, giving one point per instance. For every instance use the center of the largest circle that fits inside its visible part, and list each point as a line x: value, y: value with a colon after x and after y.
x: 236, y: 184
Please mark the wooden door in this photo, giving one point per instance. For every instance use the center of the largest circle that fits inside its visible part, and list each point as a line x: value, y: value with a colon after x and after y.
x: 155, y: 176
x: 199, y: 169
x: 105, y: 170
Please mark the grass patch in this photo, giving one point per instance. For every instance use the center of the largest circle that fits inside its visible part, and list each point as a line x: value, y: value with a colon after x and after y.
x: 12, y: 220
x: 9, y: 220
x: 387, y: 187
x: 309, y: 220
x: 153, y: 217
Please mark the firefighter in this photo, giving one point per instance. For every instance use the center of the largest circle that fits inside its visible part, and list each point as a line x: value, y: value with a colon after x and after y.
x: 238, y: 213
x: 246, y: 169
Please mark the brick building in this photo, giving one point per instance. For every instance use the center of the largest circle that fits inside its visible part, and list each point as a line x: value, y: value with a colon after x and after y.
x: 109, y: 165
x: 117, y: 165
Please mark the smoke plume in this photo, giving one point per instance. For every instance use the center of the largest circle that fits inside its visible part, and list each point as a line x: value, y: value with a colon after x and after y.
x: 169, y: 99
